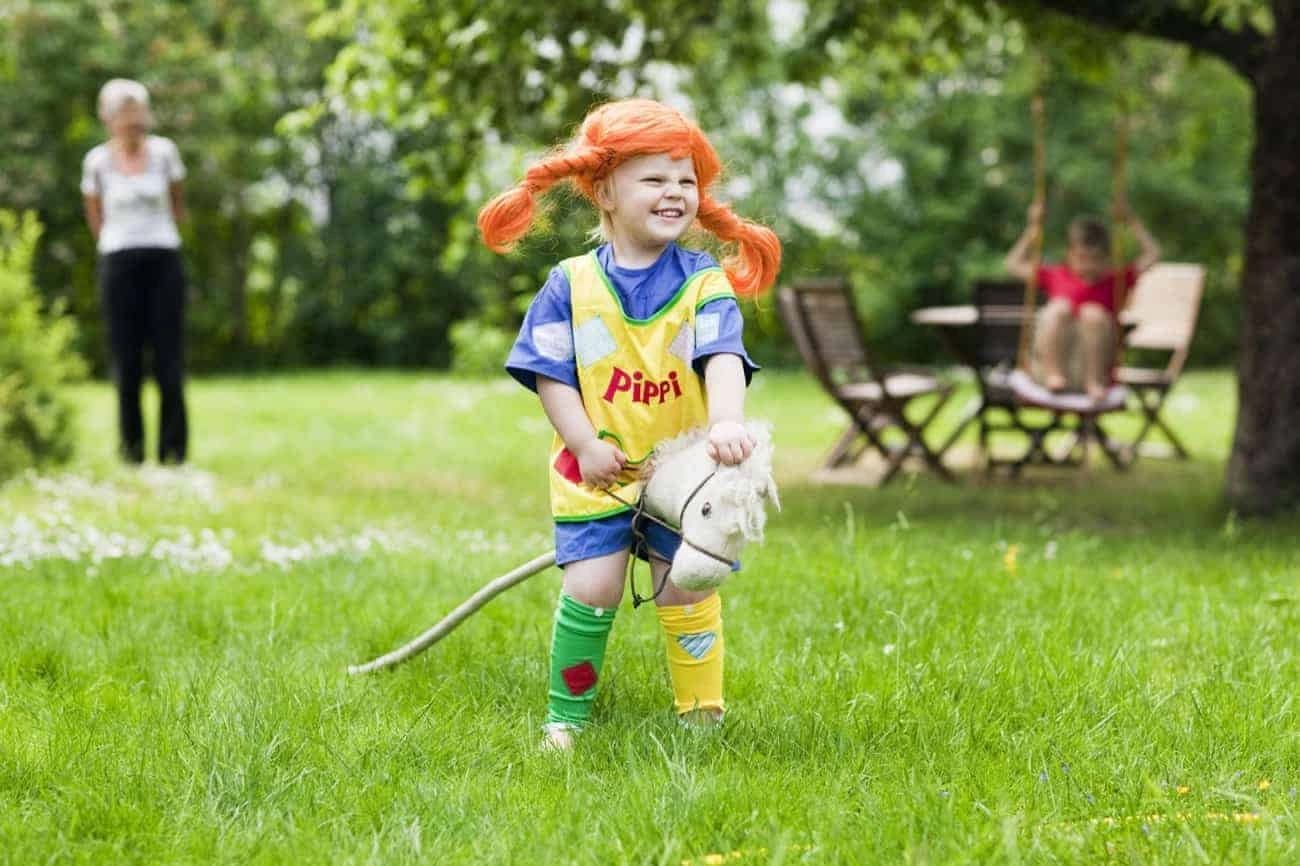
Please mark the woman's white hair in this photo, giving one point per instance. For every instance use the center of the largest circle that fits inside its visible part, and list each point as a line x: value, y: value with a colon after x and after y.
x: 117, y: 93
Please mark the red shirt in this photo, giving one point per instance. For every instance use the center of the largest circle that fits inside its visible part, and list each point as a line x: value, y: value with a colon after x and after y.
x: 1058, y: 281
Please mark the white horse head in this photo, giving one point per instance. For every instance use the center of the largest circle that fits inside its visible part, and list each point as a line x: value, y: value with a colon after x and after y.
x: 717, y: 508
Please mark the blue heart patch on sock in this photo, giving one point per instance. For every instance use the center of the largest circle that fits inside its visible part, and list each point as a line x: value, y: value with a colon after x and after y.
x: 697, y: 645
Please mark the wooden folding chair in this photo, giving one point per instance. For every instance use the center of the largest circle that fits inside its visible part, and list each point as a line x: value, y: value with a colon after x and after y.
x: 822, y: 320
x: 1164, y: 305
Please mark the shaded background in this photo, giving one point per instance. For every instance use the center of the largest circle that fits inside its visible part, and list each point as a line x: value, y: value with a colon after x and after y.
x: 338, y: 153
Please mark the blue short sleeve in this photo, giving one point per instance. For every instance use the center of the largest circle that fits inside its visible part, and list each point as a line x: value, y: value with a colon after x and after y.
x: 545, y: 342
x: 719, y: 330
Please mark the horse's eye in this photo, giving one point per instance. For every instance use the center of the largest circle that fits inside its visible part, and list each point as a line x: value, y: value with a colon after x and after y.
x: 706, y: 510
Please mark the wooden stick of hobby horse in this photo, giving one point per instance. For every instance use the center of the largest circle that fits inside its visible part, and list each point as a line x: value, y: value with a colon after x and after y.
x: 444, y: 627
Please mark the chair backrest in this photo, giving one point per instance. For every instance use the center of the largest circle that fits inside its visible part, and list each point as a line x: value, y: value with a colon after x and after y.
x: 823, y: 322
x: 1164, y: 305
x: 788, y: 306
x: 999, y: 304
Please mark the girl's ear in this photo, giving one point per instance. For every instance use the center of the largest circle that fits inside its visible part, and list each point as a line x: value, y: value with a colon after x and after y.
x: 604, y: 190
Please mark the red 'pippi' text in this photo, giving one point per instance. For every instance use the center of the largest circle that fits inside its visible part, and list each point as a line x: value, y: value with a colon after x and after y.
x: 643, y: 389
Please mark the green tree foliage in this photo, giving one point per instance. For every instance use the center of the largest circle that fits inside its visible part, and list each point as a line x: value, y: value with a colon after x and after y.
x: 914, y: 180
x: 896, y: 152
x: 36, y: 359
x: 220, y: 75
x: 334, y: 180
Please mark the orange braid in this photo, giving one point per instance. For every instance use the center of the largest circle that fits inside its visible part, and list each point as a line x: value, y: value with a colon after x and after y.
x: 753, y: 268
x: 509, y: 216
x: 611, y: 134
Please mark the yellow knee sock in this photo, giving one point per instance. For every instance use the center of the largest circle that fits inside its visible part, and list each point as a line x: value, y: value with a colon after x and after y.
x: 694, y: 637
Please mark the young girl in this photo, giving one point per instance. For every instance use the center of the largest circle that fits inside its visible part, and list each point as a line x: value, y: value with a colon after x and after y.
x: 629, y: 344
x: 1076, y: 329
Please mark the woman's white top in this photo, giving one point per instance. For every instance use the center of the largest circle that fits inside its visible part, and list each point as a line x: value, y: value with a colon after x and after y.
x: 137, y: 208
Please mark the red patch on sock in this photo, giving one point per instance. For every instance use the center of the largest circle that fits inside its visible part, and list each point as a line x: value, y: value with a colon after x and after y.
x: 567, y: 465
x: 579, y: 678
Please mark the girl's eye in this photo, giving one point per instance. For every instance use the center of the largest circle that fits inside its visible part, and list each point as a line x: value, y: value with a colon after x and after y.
x: 706, y: 510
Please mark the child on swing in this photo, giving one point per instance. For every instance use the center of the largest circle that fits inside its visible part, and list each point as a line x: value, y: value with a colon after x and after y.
x: 629, y: 344
x: 1075, y: 335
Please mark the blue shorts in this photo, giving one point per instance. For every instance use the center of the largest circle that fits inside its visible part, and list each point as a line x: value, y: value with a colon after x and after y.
x: 588, y: 539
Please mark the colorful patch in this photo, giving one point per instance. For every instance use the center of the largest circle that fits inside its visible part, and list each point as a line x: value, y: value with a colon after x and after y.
x: 593, y: 341
x: 554, y: 341
x: 707, y: 328
x: 697, y: 645
x: 579, y: 678
x: 683, y: 345
x: 567, y: 465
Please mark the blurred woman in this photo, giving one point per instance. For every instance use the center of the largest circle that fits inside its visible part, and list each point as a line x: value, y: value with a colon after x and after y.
x: 132, y: 189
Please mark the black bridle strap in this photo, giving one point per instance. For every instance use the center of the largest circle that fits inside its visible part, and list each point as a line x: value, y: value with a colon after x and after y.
x: 639, y: 511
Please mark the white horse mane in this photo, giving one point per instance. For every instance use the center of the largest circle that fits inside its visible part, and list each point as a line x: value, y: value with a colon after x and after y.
x: 679, y: 464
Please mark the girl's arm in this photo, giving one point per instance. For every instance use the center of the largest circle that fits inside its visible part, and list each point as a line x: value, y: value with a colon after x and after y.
x: 599, y: 461
x: 1019, y: 262
x: 724, y: 383
x: 94, y: 214
x: 1150, y: 247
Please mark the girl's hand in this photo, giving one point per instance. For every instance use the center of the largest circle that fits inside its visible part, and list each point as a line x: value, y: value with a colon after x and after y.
x: 600, y: 462
x: 730, y: 443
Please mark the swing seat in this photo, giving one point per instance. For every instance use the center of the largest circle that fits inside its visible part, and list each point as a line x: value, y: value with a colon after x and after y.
x: 1033, y: 393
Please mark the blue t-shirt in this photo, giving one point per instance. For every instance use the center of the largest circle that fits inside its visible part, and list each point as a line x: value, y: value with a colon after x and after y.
x: 545, y: 342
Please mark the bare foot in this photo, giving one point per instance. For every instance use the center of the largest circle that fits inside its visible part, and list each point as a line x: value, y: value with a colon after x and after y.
x: 1096, y: 392
x: 557, y: 738
x: 1054, y: 382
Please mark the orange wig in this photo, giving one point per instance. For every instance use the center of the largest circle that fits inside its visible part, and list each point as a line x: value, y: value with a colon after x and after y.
x: 615, y: 132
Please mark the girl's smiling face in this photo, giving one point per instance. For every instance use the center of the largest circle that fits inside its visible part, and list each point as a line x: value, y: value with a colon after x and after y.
x: 647, y: 203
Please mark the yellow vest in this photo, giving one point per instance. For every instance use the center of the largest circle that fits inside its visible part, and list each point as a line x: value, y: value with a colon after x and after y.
x: 636, y: 379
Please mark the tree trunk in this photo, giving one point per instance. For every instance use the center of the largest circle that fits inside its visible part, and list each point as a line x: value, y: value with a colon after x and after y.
x: 1264, y: 468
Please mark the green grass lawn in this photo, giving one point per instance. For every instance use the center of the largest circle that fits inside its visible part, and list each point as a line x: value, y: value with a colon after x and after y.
x: 1072, y: 668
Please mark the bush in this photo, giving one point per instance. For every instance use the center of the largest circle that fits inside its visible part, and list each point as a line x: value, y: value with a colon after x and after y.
x: 478, y: 348
x: 36, y: 359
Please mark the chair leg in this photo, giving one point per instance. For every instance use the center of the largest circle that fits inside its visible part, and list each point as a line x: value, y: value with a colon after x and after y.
x: 893, y: 457
x: 974, y: 411
x: 842, y: 448
x: 894, y: 462
x: 1149, y: 410
x: 984, y: 451
x: 915, y: 432
x: 1036, y: 449
x: 1114, y: 450
x: 1151, y: 401
x: 1155, y: 419
x: 916, y: 445
x: 1181, y: 451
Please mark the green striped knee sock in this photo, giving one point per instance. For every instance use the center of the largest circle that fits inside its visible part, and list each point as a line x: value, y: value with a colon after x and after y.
x: 577, y: 655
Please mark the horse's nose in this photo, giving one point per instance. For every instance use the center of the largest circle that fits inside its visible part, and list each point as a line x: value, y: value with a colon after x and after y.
x: 695, y: 571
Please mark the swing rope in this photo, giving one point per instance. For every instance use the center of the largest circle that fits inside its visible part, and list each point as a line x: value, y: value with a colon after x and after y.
x: 1119, y: 199
x: 1119, y: 196
x: 1038, y: 111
